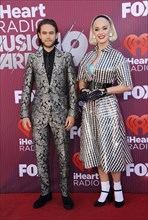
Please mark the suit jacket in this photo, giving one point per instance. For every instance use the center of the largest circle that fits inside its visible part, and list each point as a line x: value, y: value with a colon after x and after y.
x: 58, y: 97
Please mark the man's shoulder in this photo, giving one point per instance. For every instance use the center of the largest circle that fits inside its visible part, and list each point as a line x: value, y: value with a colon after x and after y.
x: 35, y: 53
x: 63, y: 54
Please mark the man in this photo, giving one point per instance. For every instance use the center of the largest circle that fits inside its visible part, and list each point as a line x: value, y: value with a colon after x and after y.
x: 54, y: 108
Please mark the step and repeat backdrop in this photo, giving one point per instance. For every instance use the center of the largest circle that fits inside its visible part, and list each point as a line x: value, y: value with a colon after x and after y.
x: 18, y: 39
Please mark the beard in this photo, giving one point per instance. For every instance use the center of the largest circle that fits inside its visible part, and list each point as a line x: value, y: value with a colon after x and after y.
x: 49, y: 45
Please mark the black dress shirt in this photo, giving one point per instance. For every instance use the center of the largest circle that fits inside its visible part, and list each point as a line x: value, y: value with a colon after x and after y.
x: 49, y: 61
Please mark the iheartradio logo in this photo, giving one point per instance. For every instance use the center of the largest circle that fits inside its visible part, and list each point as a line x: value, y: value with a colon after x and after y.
x: 134, y: 122
x: 21, y: 128
x: 133, y: 42
x: 78, y: 163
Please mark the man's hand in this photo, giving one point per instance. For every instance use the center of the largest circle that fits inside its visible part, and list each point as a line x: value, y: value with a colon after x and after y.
x: 26, y: 124
x: 69, y: 122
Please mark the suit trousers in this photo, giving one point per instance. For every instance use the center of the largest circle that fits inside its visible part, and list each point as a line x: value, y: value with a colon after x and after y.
x: 41, y: 138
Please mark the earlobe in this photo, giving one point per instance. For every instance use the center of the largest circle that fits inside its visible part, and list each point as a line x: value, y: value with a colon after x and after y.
x: 110, y: 36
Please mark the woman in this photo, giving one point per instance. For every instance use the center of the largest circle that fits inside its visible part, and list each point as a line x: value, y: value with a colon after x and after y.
x: 103, y: 141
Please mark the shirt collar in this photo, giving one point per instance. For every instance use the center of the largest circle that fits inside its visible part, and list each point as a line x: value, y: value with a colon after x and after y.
x: 46, y: 53
x: 106, y: 49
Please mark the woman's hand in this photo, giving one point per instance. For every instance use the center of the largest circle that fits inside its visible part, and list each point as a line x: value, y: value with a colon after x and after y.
x: 84, y: 93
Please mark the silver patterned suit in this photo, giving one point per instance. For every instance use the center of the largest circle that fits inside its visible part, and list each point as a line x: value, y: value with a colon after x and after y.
x: 51, y: 105
x: 103, y: 139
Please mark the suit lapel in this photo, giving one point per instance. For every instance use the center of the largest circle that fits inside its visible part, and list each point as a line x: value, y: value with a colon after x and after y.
x: 56, y: 64
x: 40, y: 57
x: 58, y: 54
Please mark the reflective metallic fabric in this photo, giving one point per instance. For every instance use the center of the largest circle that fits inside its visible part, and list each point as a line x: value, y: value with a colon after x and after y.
x: 103, y: 139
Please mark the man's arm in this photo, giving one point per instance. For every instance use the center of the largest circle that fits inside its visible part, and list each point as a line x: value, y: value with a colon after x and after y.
x: 72, y: 84
x: 27, y: 88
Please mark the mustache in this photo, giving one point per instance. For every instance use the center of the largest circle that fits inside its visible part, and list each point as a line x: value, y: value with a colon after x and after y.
x: 51, y: 45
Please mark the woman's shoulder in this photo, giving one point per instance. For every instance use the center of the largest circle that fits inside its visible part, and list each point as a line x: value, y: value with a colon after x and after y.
x: 117, y: 52
x: 118, y: 55
x: 87, y: 56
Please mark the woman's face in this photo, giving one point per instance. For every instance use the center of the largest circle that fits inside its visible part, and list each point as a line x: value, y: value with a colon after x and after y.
x: 101, y: 30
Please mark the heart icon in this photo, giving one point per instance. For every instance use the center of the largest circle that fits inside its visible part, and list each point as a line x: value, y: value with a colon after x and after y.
x: 135, y: 122
x: 132, y: 42
x: 78, y: 163
x: 20, y: 126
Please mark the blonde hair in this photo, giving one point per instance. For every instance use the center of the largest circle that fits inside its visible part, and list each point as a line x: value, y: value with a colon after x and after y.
x: 92, y: 40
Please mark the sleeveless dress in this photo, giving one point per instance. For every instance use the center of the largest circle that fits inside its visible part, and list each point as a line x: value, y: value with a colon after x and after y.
x: 103, y: 139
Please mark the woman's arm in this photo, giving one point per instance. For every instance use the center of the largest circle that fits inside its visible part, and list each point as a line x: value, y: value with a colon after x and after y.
x: 82, y: 84
x: 118, y: 89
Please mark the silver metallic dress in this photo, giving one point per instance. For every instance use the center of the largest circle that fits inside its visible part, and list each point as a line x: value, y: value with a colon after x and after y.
x: 103, y: 139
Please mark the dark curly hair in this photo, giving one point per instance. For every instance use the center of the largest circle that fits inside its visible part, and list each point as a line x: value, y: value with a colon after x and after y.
x: 47, y: 21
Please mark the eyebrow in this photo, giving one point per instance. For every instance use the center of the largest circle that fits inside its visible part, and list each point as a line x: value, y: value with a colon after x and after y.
x: 102, y: 26
x: 47, y: 31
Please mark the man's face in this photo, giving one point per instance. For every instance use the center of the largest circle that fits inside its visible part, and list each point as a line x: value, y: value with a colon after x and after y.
x: 48, y: 36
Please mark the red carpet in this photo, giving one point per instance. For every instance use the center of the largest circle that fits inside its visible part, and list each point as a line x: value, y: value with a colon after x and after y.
x: 19, y: 207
